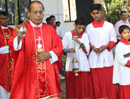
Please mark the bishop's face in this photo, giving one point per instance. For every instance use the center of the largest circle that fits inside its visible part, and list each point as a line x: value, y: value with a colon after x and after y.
x: 36, y: 13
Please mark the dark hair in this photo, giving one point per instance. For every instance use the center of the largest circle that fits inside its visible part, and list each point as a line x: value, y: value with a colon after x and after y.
x: 122, y: 28
x: 80, y: 21
x: 123, y: 12
x: 3, y: 13
x: 29, y: 6
x: 96, y: 6
x: 57, y: 22
x: 52, y: 16
x: 47, y: 19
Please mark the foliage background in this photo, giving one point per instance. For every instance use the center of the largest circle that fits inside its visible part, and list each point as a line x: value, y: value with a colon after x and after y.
x: 113, y: 9
x: 11, y: 8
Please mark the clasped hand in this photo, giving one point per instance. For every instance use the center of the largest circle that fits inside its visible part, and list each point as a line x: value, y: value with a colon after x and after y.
x: 99, y: 50
x: 42, y: 56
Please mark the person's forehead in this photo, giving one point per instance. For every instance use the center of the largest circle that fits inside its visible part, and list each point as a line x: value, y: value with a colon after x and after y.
x: 82, y: 26
x: 124, y: 13
x: 35, y: 6
x: 126, y: 29
x: 96, y: 10
x: 52, y: 18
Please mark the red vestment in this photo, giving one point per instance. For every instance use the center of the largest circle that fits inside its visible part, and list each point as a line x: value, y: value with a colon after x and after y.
x: 102, y: 83
x: 27, y: 81
x: 124, y: 92
x: 78, y: 87
x: 60, y: 57
x: 6, y: 60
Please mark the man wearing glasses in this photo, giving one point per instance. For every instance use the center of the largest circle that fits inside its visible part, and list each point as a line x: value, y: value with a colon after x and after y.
x: 35, y: 72
x: 123, y: 21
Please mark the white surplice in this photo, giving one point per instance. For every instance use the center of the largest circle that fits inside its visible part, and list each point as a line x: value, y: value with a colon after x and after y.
x: 81, y: 56
x: 98, y: 37
x: 59, y: 32
x: 121, y: 73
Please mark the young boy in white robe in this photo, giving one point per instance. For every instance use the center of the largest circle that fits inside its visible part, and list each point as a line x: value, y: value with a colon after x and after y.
x: 102, y: 37
x: 76, y: 45
x: 121, y: 73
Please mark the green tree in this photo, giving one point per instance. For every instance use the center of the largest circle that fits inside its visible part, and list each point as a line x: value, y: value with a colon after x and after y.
x: 2, y: 5
x: 113, y: 9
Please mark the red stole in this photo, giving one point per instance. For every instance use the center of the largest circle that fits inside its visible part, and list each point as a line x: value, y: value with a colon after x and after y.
x: 74, y: 34
x: 97, y: 25
x: 124, y: 41
x: 39, y: 46
x: 27, y: 81
x: 79, y: 36
x: 6, y: 60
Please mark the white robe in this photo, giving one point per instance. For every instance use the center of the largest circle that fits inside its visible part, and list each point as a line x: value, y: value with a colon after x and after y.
x: 68, y: 43
x: 121, y: 73
x: 59, y: 32
x: 98, y: 37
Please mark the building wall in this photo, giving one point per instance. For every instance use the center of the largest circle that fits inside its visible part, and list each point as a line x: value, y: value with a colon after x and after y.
x: 55, y: 7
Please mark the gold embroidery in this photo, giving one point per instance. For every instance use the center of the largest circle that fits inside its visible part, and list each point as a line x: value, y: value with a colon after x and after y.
x: 9, y: 74
x: 40, y: 38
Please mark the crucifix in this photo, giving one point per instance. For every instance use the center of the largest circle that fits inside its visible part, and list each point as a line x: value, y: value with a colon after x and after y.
x: 39, y: 45
x: 39, y: 38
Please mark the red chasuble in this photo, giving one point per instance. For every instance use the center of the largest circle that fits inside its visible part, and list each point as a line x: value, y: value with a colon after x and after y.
x: 60, y: 57
x: 6, y: 60
x: 30, y: 80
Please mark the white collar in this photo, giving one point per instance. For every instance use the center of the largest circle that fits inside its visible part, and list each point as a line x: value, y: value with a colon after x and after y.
x: 4, y: 27
x: 32, y: 24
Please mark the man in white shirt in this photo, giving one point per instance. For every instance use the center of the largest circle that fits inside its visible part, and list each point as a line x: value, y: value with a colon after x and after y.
x: 123, y: 21
x: 58, y: 29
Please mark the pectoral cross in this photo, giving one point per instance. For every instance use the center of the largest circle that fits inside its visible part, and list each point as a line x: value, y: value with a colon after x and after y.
x: 39, y: 38
x: 39, y: 45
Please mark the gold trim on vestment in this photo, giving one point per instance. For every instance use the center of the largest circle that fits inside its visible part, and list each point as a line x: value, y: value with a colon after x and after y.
x: 41, y: 65
x: 9, y: 75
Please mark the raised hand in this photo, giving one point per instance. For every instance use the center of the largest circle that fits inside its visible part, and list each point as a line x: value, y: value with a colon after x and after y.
x: 75, y: 38
x: 72, y: 50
